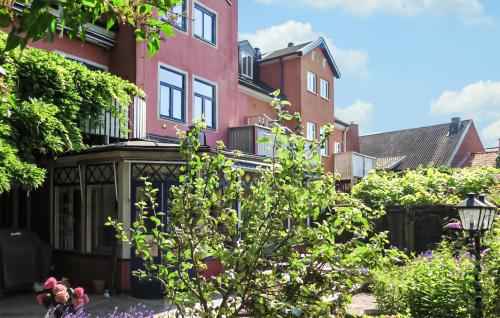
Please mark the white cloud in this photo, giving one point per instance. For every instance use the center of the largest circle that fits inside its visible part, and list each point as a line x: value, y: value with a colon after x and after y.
x: 359, y: 112
x: 479, y: 100
x: 463, y: 9
x: 491, y: 133
x: 349, y: 61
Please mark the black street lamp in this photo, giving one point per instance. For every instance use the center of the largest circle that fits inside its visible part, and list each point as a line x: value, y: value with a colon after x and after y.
x: 476, y: 216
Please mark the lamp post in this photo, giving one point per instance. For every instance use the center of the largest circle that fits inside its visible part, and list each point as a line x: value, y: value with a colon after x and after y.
x: 476, y: 216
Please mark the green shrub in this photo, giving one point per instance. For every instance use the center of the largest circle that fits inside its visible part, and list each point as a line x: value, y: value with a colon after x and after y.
x: 424, y: 186
x: 440, y: 283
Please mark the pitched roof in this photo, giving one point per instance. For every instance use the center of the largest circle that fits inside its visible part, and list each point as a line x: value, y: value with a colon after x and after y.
x: 481, y: 159
x: 303, y: 49
x: 429, y: 146
x: 389, y: 162
x: 284, y: 52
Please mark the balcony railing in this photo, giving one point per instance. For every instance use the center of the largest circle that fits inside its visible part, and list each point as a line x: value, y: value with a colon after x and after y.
x: 351, y: 165
x: 108, y: 126
x: 246, y: 138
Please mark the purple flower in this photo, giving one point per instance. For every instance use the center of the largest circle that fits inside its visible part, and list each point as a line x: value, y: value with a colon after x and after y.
x: 453, y: 226
x: 427, y: 255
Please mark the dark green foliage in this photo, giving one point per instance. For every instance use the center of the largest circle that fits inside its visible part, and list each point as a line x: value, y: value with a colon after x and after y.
x: 45, y: 97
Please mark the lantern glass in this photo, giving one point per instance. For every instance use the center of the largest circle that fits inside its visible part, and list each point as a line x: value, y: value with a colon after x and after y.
x: 471, y: 218
x: 489, y: 217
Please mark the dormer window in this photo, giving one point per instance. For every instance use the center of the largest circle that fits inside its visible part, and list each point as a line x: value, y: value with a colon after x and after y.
x: 246, y: 64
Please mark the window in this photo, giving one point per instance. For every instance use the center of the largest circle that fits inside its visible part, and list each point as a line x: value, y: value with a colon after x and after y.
x: 246, y: 64
x: 93, y: 66
x: 337, y: 147
x: 171, y: 94
x: 204, y: 102
x: 311, y: 82
x: 177, y: 17
x: 324, y: 62
x: 324, y: 88
x: 324, y: 147
x: 101, y: 204
x: 204, y: 24
x: 313, y: 56
x: 68, y: 218
x: 311, y: 131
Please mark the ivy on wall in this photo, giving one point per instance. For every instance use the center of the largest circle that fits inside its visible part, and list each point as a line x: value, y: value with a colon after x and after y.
x: 44, y: 99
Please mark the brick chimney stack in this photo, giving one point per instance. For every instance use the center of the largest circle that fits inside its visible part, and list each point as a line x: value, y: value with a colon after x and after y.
x: 353, y: 137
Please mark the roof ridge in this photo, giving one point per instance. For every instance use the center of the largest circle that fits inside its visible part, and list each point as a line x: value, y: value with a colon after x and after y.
x: 414, y: 128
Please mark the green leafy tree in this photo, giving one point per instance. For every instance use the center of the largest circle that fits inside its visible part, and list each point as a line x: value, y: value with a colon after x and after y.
x: 48, y: 19
x: 289, y: 244
x: 44, y: 100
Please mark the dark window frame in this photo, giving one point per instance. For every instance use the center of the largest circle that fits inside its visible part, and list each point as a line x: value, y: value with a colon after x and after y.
x: 213, y: 16
x: 182, y: 27
x: 203, y: 99
x: 171, y: 96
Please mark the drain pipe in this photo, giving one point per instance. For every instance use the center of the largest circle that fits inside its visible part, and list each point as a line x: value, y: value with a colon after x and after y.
x: 346, y: 129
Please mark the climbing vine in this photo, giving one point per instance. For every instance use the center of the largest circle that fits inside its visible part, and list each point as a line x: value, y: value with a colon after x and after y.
x: 45, y: 98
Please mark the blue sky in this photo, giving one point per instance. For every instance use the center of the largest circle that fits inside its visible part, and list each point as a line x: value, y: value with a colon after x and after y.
x: 404, y: 63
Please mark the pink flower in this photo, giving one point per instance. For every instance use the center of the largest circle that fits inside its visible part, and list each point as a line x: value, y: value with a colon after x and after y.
x: 453, y: 226
x: 78, y: 302
x: 61, y: 297
x: 79, y: 292
x: 40, y: 298
x: 85, y: 298
x: 50, y: 283
x: 59, y: 288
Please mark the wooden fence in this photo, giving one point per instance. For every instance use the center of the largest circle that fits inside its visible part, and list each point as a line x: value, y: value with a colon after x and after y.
x: 415, y: 229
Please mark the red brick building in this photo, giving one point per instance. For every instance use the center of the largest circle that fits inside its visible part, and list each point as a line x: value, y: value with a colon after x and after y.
x: 305, y: 74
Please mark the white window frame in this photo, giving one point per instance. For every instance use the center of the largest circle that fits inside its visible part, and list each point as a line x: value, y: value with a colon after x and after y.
x: 82, y: 60
x: 337, y: 148
x: 323, y: 94
x: 310, y: 130
x: 311, y: 80
x: 58, y: 190
x: 249, y: 66
x: 324, y: 147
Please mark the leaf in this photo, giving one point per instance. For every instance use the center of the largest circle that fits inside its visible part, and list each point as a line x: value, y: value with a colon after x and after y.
x: 89, y: 3
x: 109, y: 24
x: 13, y: 41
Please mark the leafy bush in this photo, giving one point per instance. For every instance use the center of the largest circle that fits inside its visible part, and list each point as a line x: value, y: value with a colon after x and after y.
x: 270, y: 269
x: 424, y: 186
x: 440, y: 283
x: 44, y: 98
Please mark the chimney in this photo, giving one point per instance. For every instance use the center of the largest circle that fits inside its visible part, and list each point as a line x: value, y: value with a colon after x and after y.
x: 454, y: 126
x: 258, y: 54
x: 352, y: 138
x: 290, y: 44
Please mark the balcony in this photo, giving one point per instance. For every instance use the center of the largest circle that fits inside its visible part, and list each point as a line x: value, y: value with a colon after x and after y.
x: 352, y: 165
x: 245, y: 138
x: 107, y: 128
